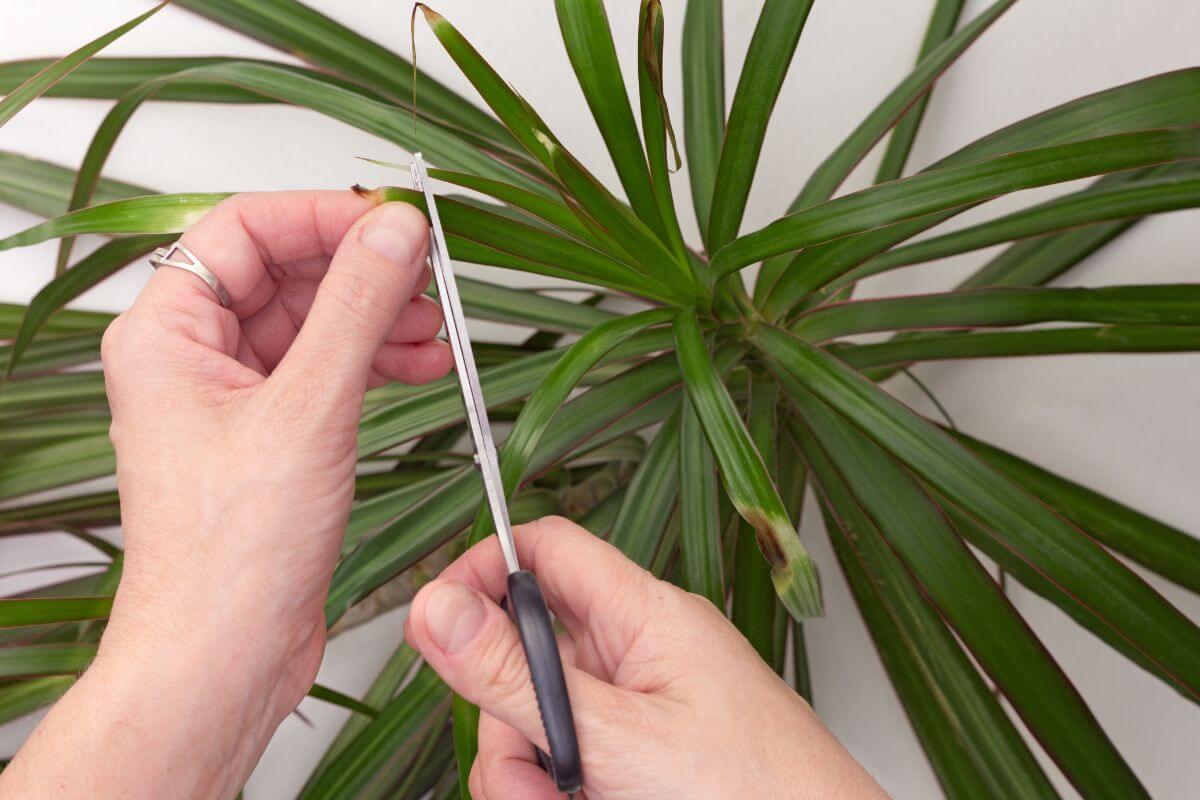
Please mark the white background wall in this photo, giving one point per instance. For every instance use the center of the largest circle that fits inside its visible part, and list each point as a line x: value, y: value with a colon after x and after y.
x: 1125, y: 425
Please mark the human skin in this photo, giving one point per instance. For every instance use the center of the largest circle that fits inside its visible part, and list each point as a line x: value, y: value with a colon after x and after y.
x: 235, y: 435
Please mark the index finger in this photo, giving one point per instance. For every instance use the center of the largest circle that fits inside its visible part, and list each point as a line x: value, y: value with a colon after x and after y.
x: 247, y: 239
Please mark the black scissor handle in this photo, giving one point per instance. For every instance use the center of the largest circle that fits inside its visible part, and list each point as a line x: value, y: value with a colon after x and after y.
x: 528, y: 610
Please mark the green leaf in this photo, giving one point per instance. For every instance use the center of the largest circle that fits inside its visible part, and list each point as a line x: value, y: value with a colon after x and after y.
x: 111, y: 78
x: 827, y: 177
x: 703, y: 101
x: 44, y: 610
x: 341, y: 699
x: 1036, y: 261
x: 380, y: 693
x: 1168, y: 551
x: 754, y: 606
x: 1099, y: 583
x: 484, y: 300
x: 59, y: 463
x: 92, y: 509
x: 699, y: 512
x: 545, y: 402
x: 45, y: 659
x: 46, y: 428
x: 993, y: 546
x: 745, y: 475
x: 972, y: 745
x: 23, y: 697
x: 1005, y: 344
x: 37, y: 85
x: 352, y: 769
x: 1162, y: 101
x: 571, y: 258
x: 44, y: 188
x: 1087, y: 207
x: 551, y: 210
x: 942, y: 23
x: 971, y: 602
x: 1156, y: 304
x: 651, y: 497
x: 949, y: 187
x: 656, y: 121
x: 64, y: 322
x: 104, y: 261
x: 52, y: 353
x: 774, y: 41
x: 156, y: 214
x: 38, y: 395
x: 589, y: 44
x: 605, y: 412
x: 298, y: 30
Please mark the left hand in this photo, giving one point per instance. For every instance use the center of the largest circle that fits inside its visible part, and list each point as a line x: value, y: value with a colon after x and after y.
x: 235, y: 434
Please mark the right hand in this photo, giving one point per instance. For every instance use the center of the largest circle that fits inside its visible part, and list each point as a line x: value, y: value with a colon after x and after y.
x: 670, y: 701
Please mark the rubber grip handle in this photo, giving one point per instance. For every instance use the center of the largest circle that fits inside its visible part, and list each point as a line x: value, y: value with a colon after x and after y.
x: 528, y: 610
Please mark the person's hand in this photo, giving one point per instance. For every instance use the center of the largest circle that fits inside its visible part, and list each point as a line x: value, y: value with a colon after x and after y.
x: 235, y: 438
x: 670, y: 701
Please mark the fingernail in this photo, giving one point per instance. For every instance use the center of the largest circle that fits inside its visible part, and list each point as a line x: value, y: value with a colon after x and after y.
x: 392, y: 232
x: 453, y: 615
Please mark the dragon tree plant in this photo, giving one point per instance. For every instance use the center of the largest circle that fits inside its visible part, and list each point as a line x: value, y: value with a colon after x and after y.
x: 678, y: 410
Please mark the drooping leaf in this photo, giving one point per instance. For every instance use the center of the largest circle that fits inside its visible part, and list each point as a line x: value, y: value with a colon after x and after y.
x: 754, y: 606
x: 651, y: 497
x: 970, y: 601
x: 1168, y: 551
x: 44, y: 188
x: 745, y: 475
x: 1099, y: 583
x: 973, y: 746
x: 700, y: 546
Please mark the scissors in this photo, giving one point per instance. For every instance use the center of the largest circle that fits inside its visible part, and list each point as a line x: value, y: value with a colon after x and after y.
x: 525, y: 604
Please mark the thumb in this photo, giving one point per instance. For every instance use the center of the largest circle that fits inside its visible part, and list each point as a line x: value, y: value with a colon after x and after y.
x: 471, y: 643
x: 369, y: 282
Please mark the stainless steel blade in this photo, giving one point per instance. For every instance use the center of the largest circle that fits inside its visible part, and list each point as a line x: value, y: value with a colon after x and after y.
x: 468, y: 375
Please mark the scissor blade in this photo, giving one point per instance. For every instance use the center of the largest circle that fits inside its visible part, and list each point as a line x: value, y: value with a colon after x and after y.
x: 468, y: 375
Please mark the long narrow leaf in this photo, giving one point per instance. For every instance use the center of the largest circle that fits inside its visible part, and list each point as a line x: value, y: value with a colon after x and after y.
x: 1135, y: 199
x: 1156, y: 304
x: 40, y: 83
x: 40, y: 611
x: 590, y: 48
x: 971, y: 602
x: 950, y: 187
x: 1167, y: 100
x: 942, y: 23
x: 1005, y: 344
x: 1168, y: 551
x: 746, y: 479
x: 1100, y: 583
x: 699, y: 512
x: 156, y: 214
x: 771, y: 47
x: 651, y: 497
x: 973, y: 746
x: 703, y: 100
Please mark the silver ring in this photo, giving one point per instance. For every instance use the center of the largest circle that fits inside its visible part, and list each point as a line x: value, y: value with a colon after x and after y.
x: 164, y: 257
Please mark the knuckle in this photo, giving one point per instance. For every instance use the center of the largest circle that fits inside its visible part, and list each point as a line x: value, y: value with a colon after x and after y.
x: 354, y: 293
x: 111, y: 341
x: 504, y: 671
